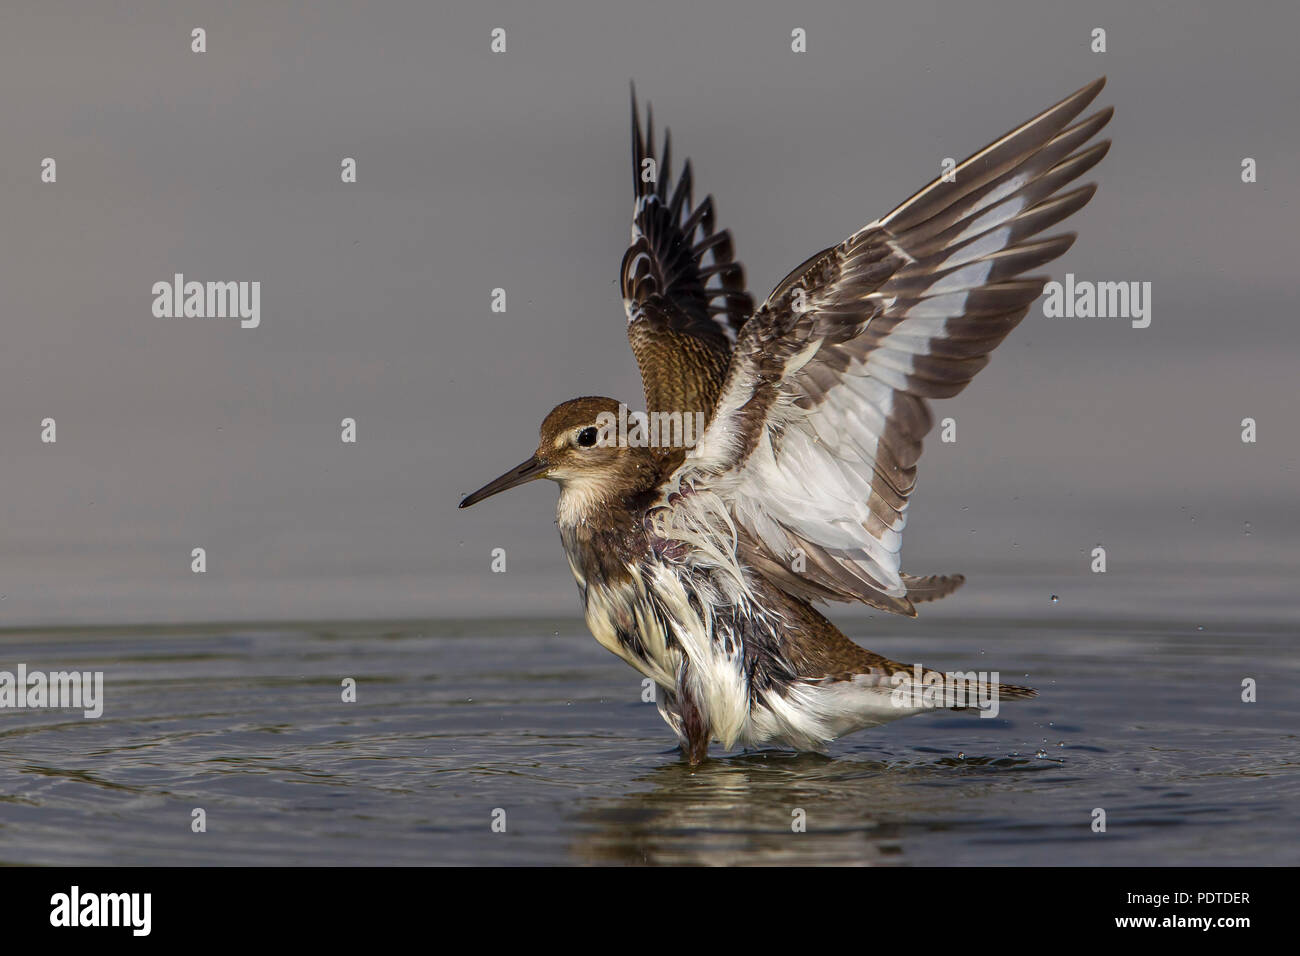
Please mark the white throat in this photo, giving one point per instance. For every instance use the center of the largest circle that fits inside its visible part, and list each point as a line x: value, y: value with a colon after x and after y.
x: 579, y: 497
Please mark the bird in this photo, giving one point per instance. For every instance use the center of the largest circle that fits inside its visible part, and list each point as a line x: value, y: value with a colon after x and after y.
x: 701, y: 559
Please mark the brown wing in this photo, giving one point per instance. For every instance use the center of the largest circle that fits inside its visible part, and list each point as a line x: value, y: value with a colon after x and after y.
x: 682, y: 288
x: 812, y: 450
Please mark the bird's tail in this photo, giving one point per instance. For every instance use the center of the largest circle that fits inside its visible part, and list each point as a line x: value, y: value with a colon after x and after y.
x: 931, y: 587
x: 955, y: 690
x: 891, y: 690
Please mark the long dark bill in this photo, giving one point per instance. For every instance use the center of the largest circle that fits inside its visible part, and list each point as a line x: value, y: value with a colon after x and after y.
x: 532, y: 468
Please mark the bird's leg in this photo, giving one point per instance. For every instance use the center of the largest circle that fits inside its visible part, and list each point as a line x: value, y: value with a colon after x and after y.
x: 695, y: 726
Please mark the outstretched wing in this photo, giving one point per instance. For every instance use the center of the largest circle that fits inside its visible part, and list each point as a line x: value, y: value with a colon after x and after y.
x: 682, y: 288
x: 811, y: 454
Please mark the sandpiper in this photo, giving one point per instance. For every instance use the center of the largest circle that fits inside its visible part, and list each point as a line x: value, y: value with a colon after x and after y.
x: 700, y: 567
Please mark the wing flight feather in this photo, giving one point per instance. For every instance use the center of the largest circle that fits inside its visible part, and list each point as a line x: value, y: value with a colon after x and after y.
x: 810, y: 457
x: 683, y: 289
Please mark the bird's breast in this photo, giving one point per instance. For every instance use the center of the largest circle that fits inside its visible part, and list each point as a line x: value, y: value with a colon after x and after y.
x: 671, y: 623
x: 624, y: 616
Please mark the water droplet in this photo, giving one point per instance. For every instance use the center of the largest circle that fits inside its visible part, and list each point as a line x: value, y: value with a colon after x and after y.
x: 1246, y: 532
x: 1041, y: 752
x: 1055, y: 599
x: 1200, y: 627
x: 961, y: 756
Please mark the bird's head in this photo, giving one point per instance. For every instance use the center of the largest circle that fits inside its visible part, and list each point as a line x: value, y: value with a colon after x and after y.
x: 579, y: 448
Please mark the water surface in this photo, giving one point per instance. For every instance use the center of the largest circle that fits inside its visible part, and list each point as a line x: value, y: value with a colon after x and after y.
x: 456, y: 720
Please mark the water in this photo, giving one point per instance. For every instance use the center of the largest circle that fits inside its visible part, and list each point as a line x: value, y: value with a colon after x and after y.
x: 457, y: 719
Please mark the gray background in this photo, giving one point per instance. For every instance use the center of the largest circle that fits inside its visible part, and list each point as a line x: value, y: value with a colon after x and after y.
x: 479, y: 170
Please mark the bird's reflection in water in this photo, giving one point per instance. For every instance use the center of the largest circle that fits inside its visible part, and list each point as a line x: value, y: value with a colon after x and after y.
x: 748, y: 808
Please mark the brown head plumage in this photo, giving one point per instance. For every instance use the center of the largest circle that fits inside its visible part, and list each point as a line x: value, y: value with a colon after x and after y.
x: 579, y: 448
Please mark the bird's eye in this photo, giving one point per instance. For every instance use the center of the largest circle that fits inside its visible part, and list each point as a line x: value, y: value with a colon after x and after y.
x: 587, y: 437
